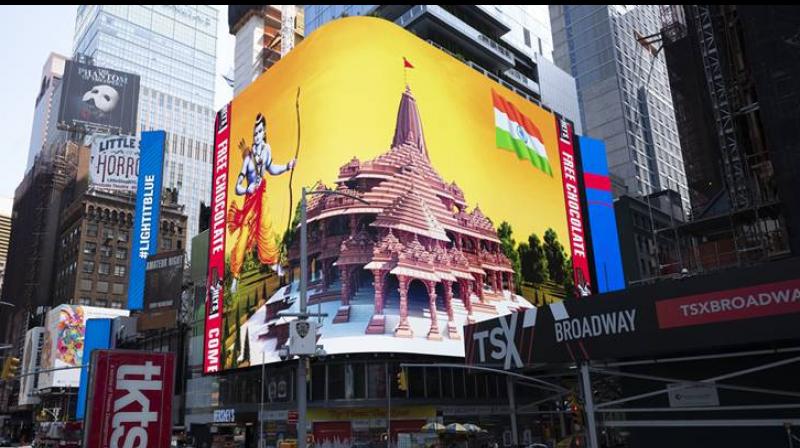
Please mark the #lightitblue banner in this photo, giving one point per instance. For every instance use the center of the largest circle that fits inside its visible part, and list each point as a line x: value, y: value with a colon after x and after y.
x: 602, y: 221
x: 96, y: 336
x: 148, y: 208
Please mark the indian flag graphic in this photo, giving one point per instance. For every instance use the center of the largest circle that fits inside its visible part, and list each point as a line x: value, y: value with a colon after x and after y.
x: 516, y: 132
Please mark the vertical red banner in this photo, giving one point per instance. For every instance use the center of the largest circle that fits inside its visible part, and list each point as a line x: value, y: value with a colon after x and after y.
x: 130, y: 399
x: 572, y: 201
x: 212, y: 348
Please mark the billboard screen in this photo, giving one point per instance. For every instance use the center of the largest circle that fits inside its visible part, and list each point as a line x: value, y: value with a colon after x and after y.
x: 96, y: 337
x: 465, y: 189
x: 163, y: 280
x: 148, y: 210
x: 98, y: 98
x: 114, y: 162
x: 130, y: 399
x: 64, y: 340
x: 607, y: 259
x: 31, y: 360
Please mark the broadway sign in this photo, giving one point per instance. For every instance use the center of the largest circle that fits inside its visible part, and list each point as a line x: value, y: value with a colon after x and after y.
x: 645, y: 322
x: 130, y: 399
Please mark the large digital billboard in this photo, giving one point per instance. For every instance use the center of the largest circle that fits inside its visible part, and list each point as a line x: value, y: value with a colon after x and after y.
x: 163, y: 280
x: 467, y: 189
x: 148, y: 211
x: 31, y: 360
x: 98, y: 98
x: 65, y: 332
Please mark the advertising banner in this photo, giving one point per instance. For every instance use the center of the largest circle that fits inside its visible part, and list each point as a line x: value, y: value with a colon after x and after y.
x: 453, y: 209
x: 130, y: 399
x: 64, y: 342
x: 114, y: 162
x: 98, y: 336
x: 31, y: 362
x: 702, y: 314
x: 599, y: 199
x: 148, y: 210
x: 97, y: 98
x: 163, y: 280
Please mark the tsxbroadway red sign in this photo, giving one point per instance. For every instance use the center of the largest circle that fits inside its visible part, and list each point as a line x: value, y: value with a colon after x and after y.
x: 130, y: 399
x: 216, y: 245
x: 744, y: 303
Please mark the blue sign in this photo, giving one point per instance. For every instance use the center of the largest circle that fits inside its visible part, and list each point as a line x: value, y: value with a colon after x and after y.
x: 148, y: 207
x: 602, y: 220
x: 96, y: 336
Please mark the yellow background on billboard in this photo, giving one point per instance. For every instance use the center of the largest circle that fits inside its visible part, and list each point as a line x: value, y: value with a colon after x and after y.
x: 351, y: 77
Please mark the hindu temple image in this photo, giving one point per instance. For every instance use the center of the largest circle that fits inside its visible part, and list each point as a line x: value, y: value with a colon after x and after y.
x: 416, y: 250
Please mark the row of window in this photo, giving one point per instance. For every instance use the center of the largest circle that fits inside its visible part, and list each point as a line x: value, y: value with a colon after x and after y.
x: 102, y: 287
x: 104, y: 268
x: 109, y: 233
x: 90, y: 248
x: 104, y: 302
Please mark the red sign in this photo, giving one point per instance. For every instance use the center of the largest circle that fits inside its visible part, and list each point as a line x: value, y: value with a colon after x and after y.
x: 572, y: 200
x: 292, y: 418
x: 744, y: 303
x: 212, y: 348
x: 130, y: 399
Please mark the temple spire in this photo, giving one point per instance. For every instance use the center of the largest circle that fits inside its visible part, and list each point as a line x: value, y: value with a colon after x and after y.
x: 408, y: 129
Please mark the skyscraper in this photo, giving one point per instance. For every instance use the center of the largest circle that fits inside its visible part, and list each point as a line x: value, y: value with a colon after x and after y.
x: 508, y: 43
x: 623, y: 90
x: 173, y: 49
x: 264, y: 34
x: 45, y: 114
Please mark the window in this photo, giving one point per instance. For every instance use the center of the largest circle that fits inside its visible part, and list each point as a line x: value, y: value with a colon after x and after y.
x: 116, y: 305
x: 122, y: 253
x: 102, y: 286
x: 527, y: 35
x: 166, y: 243
x: 88, y: 267
x: 336, y: 381
x: 105, y: 251
x: 91, y: 229
x: 119, y: 270
x: 90, y: 248
x: 376, y: 386
x: 108, y: 234
x: 318, y: 382
x: 104, y: 268
x: 101, y: 302
x: 86, y: 285
x: 118, y: 288
x: 122, y: 236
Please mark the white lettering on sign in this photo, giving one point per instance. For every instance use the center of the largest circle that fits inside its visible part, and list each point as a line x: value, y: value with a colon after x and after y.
x: 134, y: 380
x: 225, y: 416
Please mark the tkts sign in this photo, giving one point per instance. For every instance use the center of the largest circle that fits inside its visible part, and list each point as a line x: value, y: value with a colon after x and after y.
x: 130, y: 399
x: 634, y: 323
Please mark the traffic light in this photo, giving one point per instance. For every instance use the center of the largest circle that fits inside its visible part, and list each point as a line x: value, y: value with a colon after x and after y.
x: 10, y: 368
x: 576, y: 410
x: 402, y: 380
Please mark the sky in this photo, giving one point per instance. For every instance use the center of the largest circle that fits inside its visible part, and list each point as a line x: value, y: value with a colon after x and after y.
x: 30, y: 34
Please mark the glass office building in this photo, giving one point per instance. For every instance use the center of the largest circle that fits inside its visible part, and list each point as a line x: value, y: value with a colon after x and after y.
x: 173, y: 49
x: 624, y: 91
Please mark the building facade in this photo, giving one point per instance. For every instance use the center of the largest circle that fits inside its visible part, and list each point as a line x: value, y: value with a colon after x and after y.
x: 44, y: 132
x: 173, y: 49
x: 732, y: 87
x: 508, y: 43
x: 264, y: 34
x: 94, y: 244
x: 624, y: 91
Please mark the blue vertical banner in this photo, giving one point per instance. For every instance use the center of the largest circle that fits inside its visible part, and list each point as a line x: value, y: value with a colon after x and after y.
x: 148, y: 207
x: 602, y: 221
x: 96, y: 336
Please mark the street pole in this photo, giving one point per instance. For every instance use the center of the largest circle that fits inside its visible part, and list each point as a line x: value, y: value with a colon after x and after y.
x: 588, y: 406
x: 301, y: 362
x: 388, y: 408
x: 512, y: 407
x: 261, y: 404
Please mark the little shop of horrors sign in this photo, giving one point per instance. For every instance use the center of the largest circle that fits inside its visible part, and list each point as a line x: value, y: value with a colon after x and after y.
x: 627, y: 325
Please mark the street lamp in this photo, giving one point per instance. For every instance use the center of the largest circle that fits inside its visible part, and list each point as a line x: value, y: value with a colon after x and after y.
x: 302, y: 399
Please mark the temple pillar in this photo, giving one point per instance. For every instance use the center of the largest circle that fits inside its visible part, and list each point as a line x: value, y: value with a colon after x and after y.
x: 379, y: 284
x: 452, y: 329
x: 479, y: 287
x: 346, y: 286
x: 403, y: 329
x: 326, y: 269
x: 433, y: 333
x: 353, y: 224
